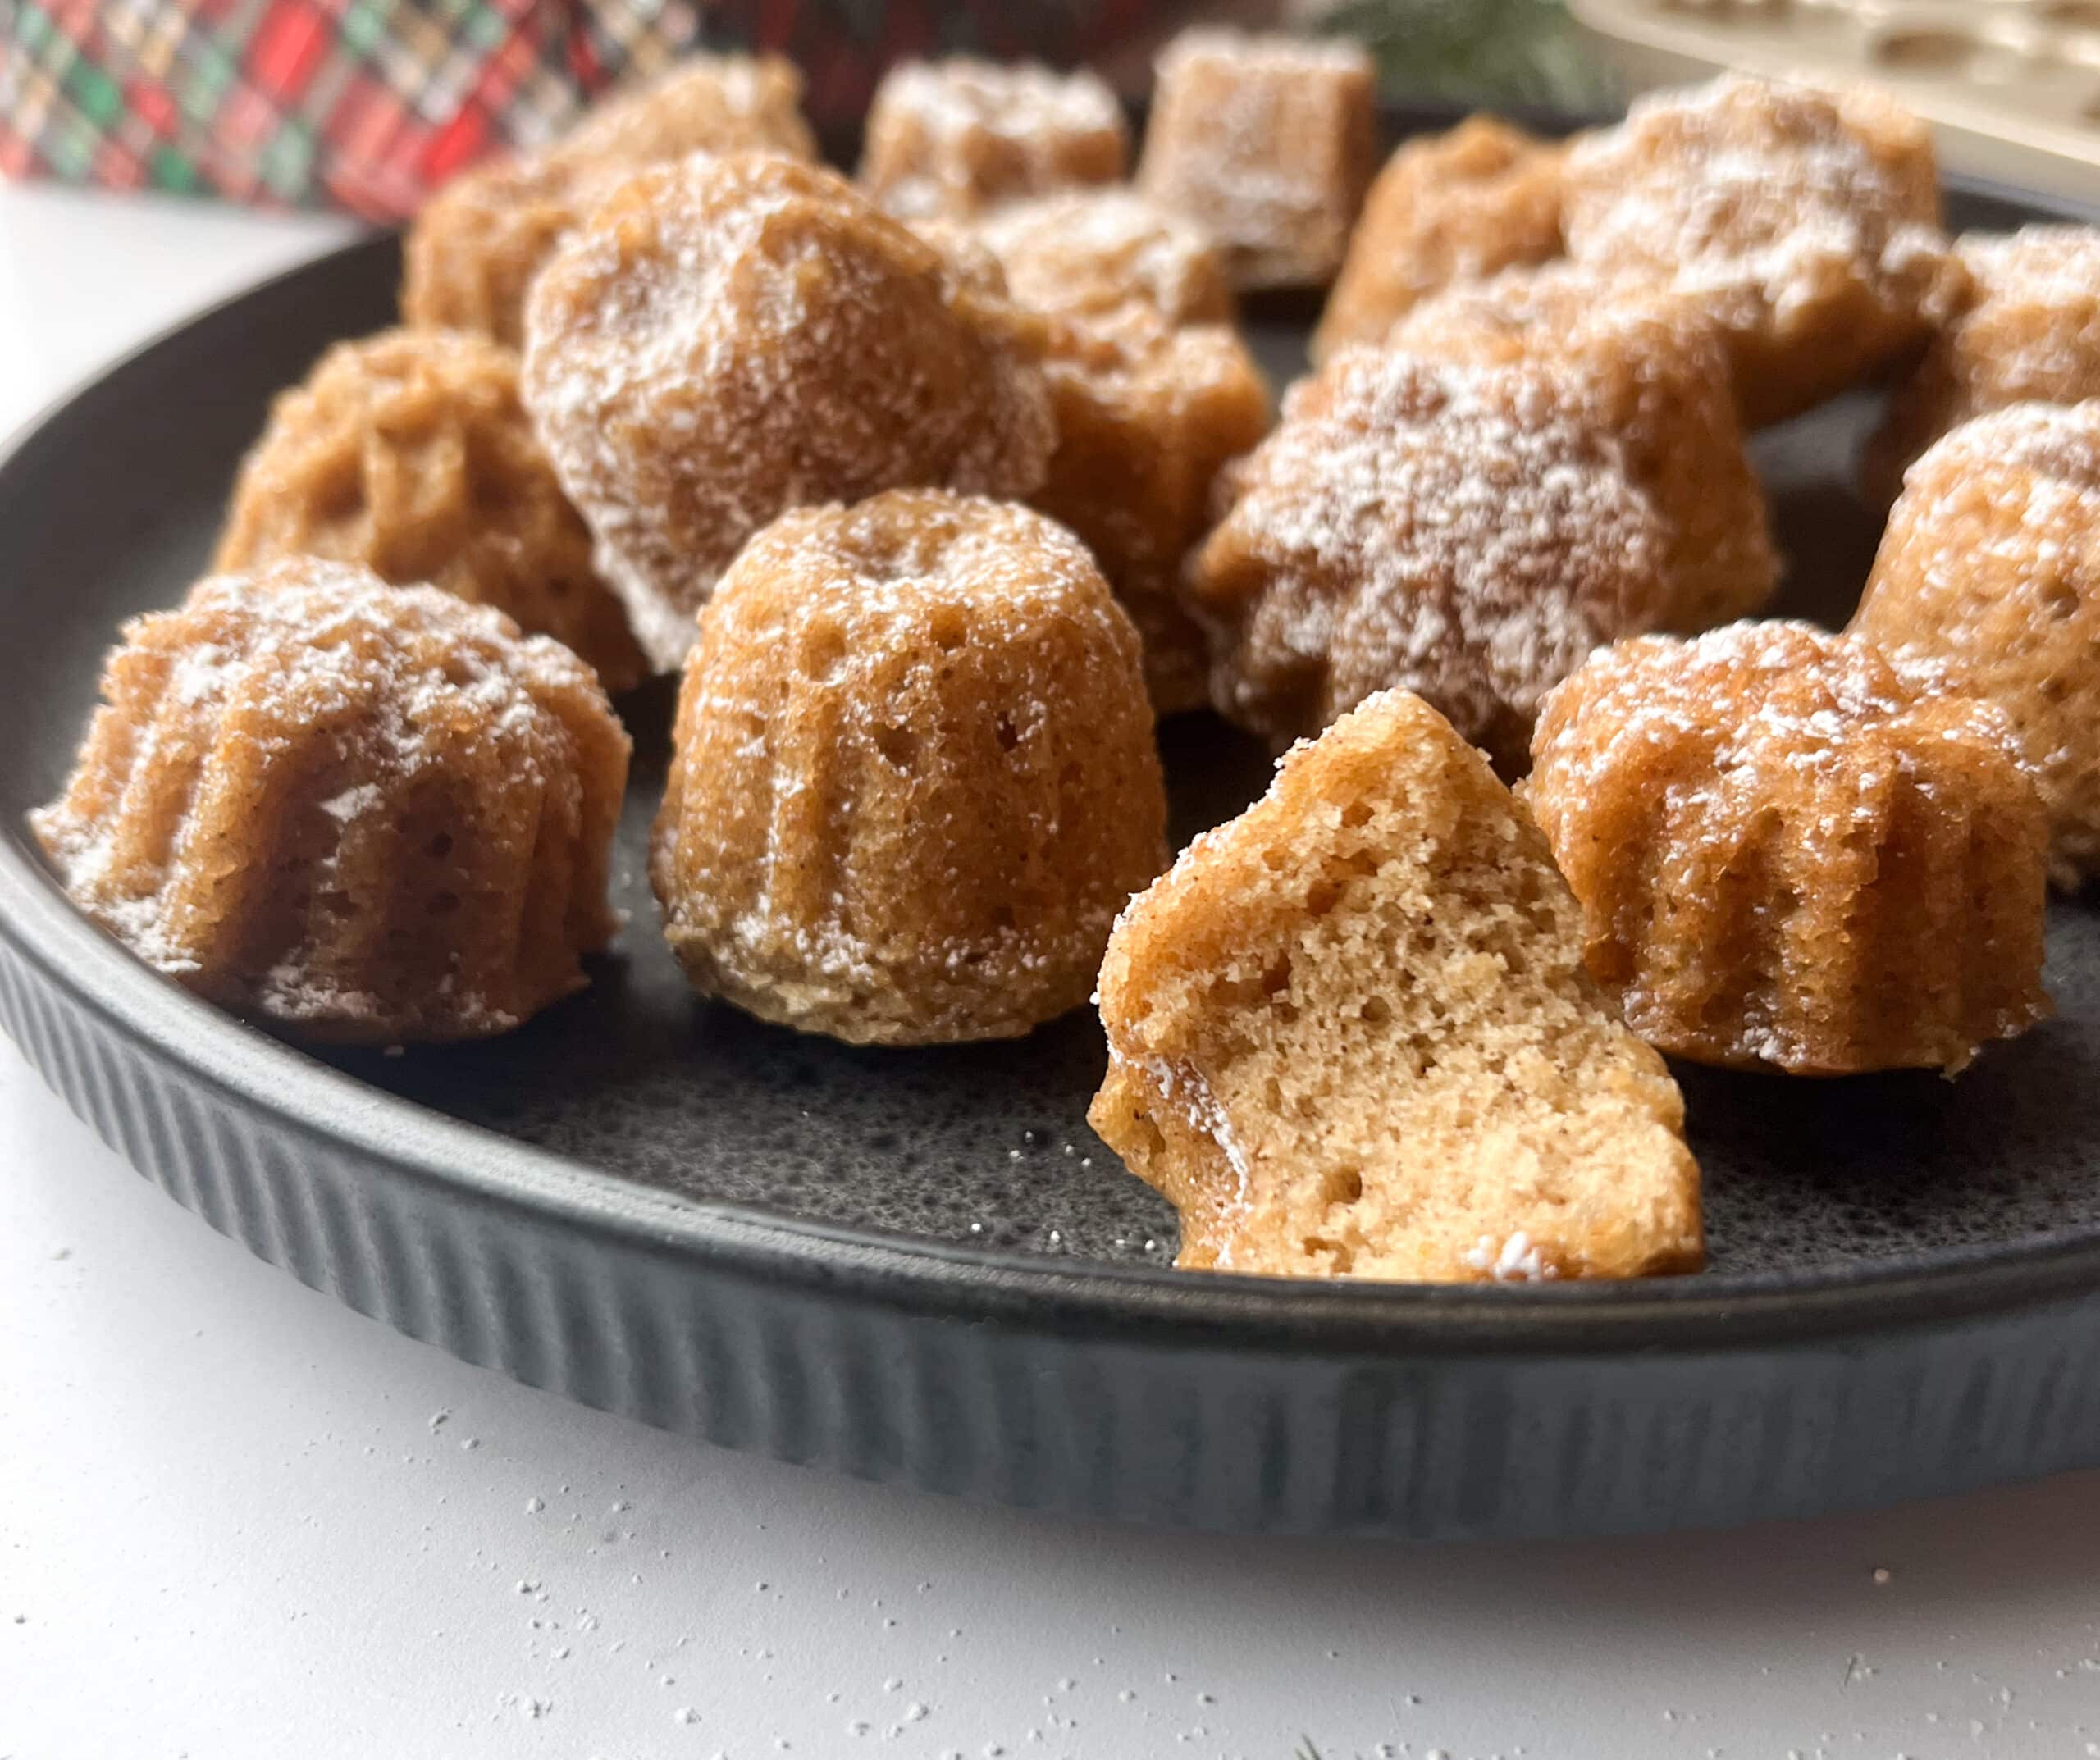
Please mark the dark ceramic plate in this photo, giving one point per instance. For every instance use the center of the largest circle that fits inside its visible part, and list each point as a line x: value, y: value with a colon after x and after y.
x: 922, y: 1265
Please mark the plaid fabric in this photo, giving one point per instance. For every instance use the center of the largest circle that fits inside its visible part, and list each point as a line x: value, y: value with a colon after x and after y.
x: 367, y: 104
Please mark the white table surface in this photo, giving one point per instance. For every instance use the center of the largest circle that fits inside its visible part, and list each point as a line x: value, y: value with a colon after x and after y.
x: 237, y: 1521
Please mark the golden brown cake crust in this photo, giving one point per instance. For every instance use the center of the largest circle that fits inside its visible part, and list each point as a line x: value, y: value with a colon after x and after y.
x: 1151, y: 388
x: 410, y: 453
x: 1805, y: 222
x: 1268, y: 142
x: 1468, y: 532
x: 2029, y: 331
x: 471, y: 254
x: 961, y: 136
x: 1147, y: 415
x: 1989, y: 576
x: 369, y: 813
x: 475, y: 245
x: 913, y: 778
x: 1088, y: 254
x: 705, y: 103
x: 1453, y: 208
x: 1789, y: 854
x: 1350, y: 1035
x: 732, y: 336
x: 1656, y: 375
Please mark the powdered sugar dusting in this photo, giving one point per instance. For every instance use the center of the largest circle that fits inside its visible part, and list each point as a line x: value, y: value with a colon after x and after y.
x: 732, y: 337
x: 955, y: 136
x: 2032, y: 330
x: 1514, y: 1259
x: 1086, y: 252
x: 309, y: 670
x: 1267, y: 140
x: 1763, y: 200
x: 1726, y: 810
x: 1466, y: 531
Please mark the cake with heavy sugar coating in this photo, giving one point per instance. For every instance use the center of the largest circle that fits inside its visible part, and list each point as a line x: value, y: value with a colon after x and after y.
x: 1268, y: 142
x: 471, y: 253
x: 410, y: 453
x: 1655, y: 372
x: 1989, y: 575
x: 1469, y: 532
x: 961, y: 136
x: 913, y: 778
x: 1447, y: 209
x: 1350, y: 1035
x: 2029, y: 331
x: 365, y: 812
x: 1807, y: 222
x: 1090, y: 253
x: 1790, y: 855
x: 735, y: 336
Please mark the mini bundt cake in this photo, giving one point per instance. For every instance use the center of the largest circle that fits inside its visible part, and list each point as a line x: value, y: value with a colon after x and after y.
x: 1469, y: 532
x: 732, y: 336
x: 1268, y: 143
x: 1989, y: 573
x: 2029, y: 331
x: 1146, y: 415
x: 913, y: 778
x: 1089, y: 253
x: 1658, y: 377
x: 473, y: 249
x: 367, y: 813
x: 1789, y: 854
x: 1446, y: 210
x: 705, y: 103
x: 410, y: 453
x: 1350, y: 1036
x: 1805, y: 222
x: 960, y: 136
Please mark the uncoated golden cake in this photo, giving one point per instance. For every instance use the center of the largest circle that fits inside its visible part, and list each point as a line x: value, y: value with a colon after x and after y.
x: 1350, y: 1036
x: 1787, y: 854
x: 1147, y: 415
x: 366, y: 812
x: 410, y: 453
x: 1988, y: 577
x: 1447, y: 209
x: 913, y: 778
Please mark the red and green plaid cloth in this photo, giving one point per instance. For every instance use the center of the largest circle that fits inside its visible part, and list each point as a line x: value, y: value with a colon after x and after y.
x: 367, y: 104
